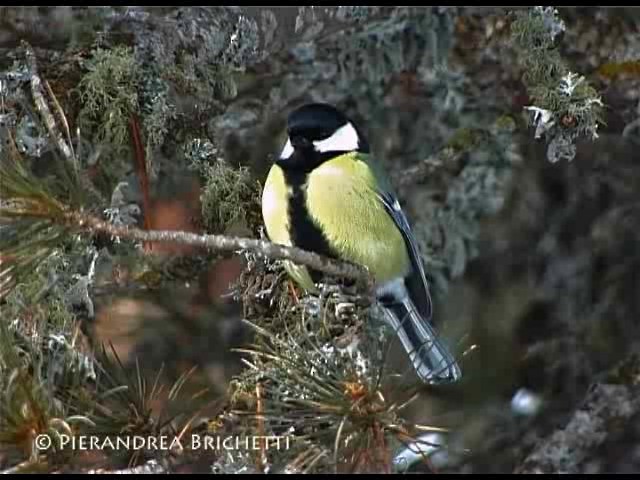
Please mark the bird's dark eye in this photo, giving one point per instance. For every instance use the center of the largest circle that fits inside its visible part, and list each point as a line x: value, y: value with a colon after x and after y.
x: 310, y: 134
x: 317, y: 133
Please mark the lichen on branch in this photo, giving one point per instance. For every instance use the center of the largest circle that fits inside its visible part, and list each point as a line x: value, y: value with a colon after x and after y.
x: 564, y: 106
x: 108, y: 93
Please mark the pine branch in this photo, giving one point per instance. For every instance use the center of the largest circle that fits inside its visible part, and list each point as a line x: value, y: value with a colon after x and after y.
x: 89, y: 223
x: 32, y: 373
x: 35, y: 222
x: 333, y: 402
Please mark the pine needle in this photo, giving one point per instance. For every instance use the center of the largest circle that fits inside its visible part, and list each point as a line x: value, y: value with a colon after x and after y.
x: 313, y: 394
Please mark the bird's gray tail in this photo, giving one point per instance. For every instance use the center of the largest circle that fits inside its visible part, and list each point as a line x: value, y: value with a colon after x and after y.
x: 431, y: 358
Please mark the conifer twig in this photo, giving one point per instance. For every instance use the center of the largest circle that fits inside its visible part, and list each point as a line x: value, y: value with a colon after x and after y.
x: 37, y: 221
x: 83, y: 221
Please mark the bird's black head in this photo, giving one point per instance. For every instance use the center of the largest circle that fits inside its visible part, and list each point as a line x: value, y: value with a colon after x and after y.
x: 316, y: 133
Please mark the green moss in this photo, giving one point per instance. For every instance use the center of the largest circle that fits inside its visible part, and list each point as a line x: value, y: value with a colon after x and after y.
x: 109, y: 97
x: 505, y: 123
x: 156, y: 109
x: 464, y: 139
x: 229, y: 197
x: 39, y: 300
x: 215, y: 81
x: 542, y: 64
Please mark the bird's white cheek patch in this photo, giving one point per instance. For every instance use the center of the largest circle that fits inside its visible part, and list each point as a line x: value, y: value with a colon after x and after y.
x: 345, y: 139
x: 287, y: 151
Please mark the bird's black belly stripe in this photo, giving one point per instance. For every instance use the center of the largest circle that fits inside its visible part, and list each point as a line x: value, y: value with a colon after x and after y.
x: 303, y: 231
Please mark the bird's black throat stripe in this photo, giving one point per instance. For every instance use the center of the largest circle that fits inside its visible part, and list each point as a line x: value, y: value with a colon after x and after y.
x: 303, y: 231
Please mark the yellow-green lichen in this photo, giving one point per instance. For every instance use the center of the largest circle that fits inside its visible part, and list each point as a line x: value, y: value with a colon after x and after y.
x: 230, y: 197
x: 109, y: 96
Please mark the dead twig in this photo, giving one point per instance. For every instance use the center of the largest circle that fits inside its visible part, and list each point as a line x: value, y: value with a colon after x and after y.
x: 37, y: 90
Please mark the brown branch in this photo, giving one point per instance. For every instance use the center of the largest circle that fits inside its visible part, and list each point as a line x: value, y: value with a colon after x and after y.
x: 140, y: 162
x: 75, y: 219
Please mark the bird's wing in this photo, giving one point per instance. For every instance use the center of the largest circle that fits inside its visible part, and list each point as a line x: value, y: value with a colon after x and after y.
x: 416, y: 281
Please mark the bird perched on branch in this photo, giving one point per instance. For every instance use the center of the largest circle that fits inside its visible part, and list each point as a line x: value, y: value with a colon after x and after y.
x: 326, y: 194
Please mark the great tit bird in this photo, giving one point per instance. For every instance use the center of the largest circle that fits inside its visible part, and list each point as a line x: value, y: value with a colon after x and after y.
x: 326, y: 194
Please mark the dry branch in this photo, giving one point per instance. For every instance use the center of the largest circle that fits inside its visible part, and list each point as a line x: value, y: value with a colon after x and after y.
x: 42, y: 106
x: 219, y: 243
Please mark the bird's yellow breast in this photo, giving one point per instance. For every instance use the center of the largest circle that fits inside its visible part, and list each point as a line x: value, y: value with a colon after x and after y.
x: 275, y: 206
x: 341, y: 200
x: 275, y: 201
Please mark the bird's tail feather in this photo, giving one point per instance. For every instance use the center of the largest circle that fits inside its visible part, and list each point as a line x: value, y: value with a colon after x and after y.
x: 431, y: 358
